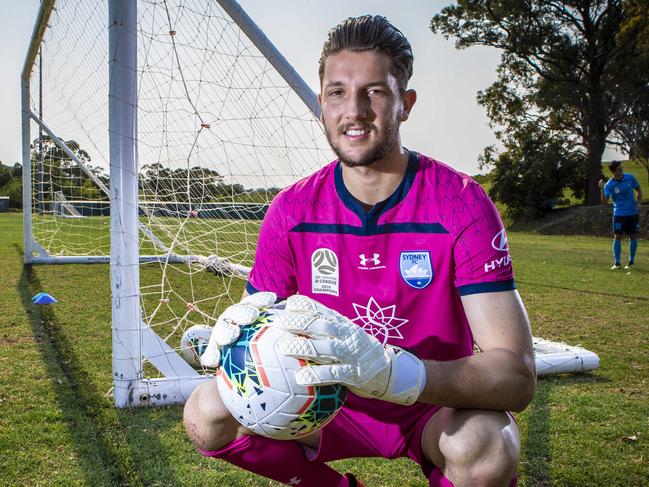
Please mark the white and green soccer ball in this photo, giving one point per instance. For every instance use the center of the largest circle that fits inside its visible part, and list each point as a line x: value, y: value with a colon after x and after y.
x: 257, y: 384
x: 193, y: 343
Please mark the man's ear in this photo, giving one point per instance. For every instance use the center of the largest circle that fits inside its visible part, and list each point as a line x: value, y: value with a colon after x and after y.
x: 409, y: 98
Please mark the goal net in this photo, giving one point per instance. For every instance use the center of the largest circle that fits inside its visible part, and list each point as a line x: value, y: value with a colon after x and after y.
x: 63, y: 208
x: 222, y: 123
x: 157, y: 133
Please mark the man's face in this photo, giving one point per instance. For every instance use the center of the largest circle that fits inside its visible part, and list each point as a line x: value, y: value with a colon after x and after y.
x: 362, y: 106
x: 618, y: 173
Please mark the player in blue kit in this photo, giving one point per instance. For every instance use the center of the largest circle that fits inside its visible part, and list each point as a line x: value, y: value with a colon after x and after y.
x: 626, y: 209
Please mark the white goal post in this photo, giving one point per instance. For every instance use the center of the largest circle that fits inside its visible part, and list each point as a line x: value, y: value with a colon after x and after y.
x: 155, y: 135
x: 553, y: 357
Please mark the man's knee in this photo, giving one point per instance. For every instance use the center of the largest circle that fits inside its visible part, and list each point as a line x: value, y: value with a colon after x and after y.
x: 478, y: 447
x: 208, y: 423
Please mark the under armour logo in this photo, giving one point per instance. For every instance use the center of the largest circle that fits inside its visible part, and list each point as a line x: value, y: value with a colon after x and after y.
x: 295, y: 481
x: 374, y: 260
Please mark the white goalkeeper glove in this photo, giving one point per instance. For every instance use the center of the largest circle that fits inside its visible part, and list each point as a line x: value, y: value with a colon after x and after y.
x: 346, y: 354
x: 228, y: 325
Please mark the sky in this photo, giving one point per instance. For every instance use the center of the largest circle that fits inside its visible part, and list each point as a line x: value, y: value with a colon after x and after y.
x: 446, y: 123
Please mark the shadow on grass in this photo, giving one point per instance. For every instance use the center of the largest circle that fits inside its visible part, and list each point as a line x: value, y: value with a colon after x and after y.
x: 583, y: 291
x: 143, y: 429
x: 536, y: 446
x: 105, y: 448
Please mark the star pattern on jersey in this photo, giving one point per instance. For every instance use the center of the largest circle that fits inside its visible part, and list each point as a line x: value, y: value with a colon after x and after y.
x: 378, y: 321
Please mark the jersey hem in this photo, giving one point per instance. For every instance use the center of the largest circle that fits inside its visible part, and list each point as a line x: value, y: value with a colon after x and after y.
x: 250, y: 289
x: 487, y: 287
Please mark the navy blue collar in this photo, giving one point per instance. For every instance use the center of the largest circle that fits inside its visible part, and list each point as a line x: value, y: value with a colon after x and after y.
x: 369, y: 219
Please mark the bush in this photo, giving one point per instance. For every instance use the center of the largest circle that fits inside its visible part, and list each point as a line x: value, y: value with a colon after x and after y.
x: 531, y: 175
x: 15, y: 192
x: 5, y: 175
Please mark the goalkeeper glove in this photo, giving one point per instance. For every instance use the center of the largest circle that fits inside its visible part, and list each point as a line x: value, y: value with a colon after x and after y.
x: 345, y: 353
x: 228, y: 325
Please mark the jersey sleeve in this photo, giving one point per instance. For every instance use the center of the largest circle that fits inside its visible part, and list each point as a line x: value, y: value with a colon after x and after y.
x: 607, y: 189
x: 481, y: 251
x: 274, y: 268
x: 634, y: 182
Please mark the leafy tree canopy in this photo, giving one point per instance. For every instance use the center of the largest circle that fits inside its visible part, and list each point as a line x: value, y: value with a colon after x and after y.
x: 530, y: 176
x: 11, y: 183
x: 565, y: 68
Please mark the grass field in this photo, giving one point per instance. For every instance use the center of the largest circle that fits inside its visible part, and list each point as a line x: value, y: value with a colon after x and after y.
x: 58, y: 427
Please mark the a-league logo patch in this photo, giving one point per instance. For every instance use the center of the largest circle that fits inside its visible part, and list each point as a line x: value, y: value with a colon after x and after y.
x: 416, y: 269
x: 324, y: 272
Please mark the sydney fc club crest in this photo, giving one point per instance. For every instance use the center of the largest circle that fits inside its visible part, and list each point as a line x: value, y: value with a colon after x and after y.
x: 416, y: 269
x: 324, y: 272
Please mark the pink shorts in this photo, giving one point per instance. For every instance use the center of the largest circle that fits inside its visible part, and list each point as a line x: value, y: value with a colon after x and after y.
x: 370, y: 428
x: 366, y: 432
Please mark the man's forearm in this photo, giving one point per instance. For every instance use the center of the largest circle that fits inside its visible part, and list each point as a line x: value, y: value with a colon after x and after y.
x: 497, y: 379
x: 603, y: 197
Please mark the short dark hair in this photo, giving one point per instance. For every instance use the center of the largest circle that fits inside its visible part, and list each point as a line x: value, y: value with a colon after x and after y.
x: 371, y: 33
x: 614, y: 165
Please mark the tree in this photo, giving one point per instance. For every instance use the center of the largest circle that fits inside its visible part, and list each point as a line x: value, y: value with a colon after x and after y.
x: 5, y: 175
x: 634, y: 128
x: 15, y: 192
x: 195, y: 184
x: 564, y: 68
x: 11, y: 184
x: 58, y: 171
x: 634, y: 131
x: 529, y: 177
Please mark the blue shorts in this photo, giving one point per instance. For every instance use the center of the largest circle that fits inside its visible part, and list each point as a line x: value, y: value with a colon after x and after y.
x: 626, y: 225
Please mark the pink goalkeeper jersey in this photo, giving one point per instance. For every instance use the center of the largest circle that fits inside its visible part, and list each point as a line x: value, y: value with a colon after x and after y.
x: 397, y: 270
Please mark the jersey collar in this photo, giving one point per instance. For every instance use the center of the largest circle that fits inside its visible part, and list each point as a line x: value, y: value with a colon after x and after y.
x: 371, y: 217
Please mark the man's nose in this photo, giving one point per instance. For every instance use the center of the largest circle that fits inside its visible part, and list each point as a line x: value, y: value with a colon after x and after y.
x: 357, y: 107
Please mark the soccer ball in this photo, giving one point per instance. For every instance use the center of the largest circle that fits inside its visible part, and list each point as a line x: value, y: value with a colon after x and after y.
x: 193, y: 343
x: 257, y: 384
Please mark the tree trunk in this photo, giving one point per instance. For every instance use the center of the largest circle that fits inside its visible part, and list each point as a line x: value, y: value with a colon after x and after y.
x: 593, y: 162
x: 645, y: 162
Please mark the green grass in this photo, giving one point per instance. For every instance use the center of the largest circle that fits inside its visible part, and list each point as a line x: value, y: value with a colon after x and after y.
x: 58, y: 427
x: 91, y: 235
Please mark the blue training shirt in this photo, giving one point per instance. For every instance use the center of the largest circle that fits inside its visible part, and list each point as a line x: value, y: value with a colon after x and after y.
x: 621, y: 191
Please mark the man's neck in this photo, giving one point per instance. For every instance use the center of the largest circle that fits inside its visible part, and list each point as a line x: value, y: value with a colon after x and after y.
x: 376, y: 182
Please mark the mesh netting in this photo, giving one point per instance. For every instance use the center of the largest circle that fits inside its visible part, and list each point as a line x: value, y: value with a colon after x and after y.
x: 219, y: 133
